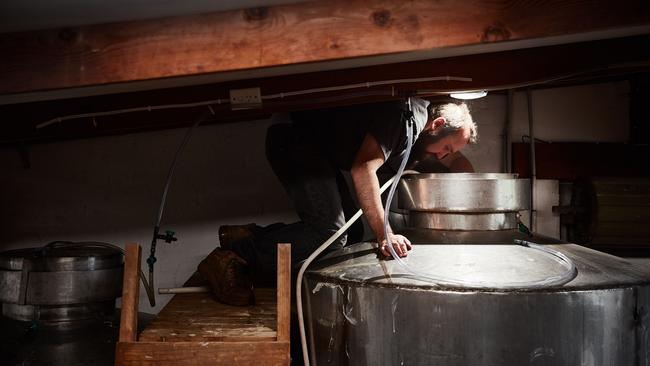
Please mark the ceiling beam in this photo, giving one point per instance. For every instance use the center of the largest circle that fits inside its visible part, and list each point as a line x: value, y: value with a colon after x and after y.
x: 527, y: 68
x: 286, y: 35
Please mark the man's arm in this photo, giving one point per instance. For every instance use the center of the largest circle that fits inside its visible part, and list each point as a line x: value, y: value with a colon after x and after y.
x: 364, y: 169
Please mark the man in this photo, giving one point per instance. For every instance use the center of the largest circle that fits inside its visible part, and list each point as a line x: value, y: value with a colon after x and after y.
x: 308, y: 156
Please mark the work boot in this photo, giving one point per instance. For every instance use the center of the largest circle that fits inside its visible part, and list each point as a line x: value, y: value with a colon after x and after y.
x: 231, y: 235
x: 228, y: 276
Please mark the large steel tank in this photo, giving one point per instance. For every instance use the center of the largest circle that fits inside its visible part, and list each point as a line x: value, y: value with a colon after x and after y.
x: 363, y: 310
x: 60, y: 284
x: 58, y: 304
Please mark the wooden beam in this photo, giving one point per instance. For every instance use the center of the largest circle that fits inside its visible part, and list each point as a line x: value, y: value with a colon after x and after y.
x: 284, y: 292
x: 289, y: 34
x: 202, y: 353
x: 130, y: 294
x: 487, y: 70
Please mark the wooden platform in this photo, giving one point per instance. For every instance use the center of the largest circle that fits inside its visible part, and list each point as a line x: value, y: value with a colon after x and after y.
x: 199, y: 318
x: 195, y: 329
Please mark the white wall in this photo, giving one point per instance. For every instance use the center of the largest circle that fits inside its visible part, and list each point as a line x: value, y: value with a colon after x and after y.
x: 591, y: 113
x: 108, y: 189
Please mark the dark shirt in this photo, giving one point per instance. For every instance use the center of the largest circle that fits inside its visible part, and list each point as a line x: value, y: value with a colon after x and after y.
x: 340, y: 131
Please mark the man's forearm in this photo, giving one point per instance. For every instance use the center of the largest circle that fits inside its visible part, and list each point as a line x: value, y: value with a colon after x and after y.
x: 364, y: 169
x: 366, y: 185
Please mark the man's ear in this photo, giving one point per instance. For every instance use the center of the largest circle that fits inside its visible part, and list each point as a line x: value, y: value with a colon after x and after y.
x: 438, y: 123
x: 434, y: 124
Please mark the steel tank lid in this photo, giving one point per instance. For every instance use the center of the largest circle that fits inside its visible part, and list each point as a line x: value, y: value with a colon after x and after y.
x: 493, y: 264
x: 63, y: 258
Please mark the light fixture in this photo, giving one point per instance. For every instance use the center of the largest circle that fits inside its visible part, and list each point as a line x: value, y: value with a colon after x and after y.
x: 475, y: 94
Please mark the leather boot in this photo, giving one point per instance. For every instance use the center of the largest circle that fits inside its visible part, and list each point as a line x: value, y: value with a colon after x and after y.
x: 228, y: 277
x: 231, y: 235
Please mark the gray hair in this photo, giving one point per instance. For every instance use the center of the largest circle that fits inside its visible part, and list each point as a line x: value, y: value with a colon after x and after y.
x: 456, y: 117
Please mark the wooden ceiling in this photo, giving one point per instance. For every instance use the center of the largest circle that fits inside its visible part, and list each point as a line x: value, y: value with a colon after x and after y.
x: 298, y: 34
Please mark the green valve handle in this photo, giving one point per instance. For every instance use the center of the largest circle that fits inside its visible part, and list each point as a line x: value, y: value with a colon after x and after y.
x: 524, y: 229
x: 168, y: 237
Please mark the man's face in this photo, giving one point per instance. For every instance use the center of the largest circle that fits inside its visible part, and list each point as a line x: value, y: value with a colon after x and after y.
x: 447, y: 144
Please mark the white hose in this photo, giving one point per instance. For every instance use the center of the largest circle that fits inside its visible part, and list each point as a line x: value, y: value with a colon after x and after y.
x: 307, y: 262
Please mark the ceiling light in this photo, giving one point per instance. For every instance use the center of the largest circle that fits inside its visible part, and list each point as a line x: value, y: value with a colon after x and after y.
x: 469, y: 94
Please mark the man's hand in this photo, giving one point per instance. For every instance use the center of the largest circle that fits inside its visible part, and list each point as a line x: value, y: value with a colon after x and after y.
x: 369, y: 158
x: 400, y: 243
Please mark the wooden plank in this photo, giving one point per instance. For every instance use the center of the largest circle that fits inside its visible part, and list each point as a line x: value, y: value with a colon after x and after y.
x: 130, y: 294
x: 225, y: 337
x: 202, y: 353
x: 284, y: 292
x: 500, y: 68
x: 288, y: 34
x: 200, y: 318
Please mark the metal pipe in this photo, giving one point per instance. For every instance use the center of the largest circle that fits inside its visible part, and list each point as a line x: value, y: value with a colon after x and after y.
x: 506, y: 132
x: 533, y: 168
x: 183, y: 290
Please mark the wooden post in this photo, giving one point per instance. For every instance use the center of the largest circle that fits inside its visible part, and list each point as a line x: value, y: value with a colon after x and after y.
x: 130, y: 294
x: 284, y: 292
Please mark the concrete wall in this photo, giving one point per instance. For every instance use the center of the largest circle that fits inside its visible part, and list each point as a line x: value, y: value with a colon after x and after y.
x: 591, y: 113
x: 108, y: 189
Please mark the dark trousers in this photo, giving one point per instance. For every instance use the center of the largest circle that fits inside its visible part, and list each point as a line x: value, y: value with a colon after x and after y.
x: 320, y: 196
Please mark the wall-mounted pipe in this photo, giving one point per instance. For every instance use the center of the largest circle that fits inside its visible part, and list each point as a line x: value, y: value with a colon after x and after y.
x: 505, y: 168
x: 533, y: 168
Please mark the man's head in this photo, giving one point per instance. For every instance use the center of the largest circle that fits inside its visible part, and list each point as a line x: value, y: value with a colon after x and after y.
x: 450, y: 127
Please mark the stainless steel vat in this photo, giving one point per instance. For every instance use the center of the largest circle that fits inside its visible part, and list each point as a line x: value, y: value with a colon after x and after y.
x: 464, y: 201
x: 464, y: 192
x: 59, y: 284
x: 361, y: 310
